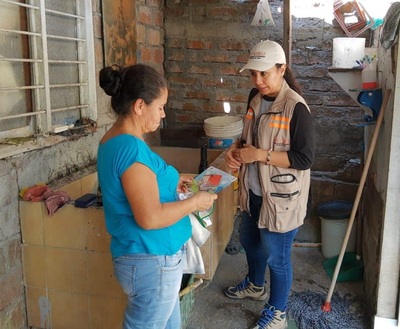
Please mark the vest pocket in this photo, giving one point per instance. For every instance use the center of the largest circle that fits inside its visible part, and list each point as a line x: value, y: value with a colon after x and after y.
x: 284, y: 186
x: 286, y: 215
x: 284, y: 198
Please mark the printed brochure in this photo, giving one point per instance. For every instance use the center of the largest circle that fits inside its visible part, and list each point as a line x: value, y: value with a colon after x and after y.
x: 211, y: 180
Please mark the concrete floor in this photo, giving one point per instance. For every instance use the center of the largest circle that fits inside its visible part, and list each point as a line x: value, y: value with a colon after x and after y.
x: 212, y: 310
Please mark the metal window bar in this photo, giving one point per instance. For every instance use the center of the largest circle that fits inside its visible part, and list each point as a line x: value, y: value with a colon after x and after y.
x: 20, y: 32
x: 83, y: 50
x: 70, y: 108
x: 23, y: 115
x: 20, y: 4
x: 46, y: 76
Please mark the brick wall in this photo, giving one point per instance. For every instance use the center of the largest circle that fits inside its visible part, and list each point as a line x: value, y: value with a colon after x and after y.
x: 150, y: 33
x: 207, y: 42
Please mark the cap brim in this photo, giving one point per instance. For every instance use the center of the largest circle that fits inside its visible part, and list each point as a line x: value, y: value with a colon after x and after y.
x: 257, y: 66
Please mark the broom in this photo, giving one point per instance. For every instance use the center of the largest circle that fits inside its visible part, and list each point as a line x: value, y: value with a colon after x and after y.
x: 326, y: 307
x: 305, y: 307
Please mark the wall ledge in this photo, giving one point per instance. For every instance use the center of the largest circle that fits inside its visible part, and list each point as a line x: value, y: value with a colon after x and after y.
x: 15, y: 146
x: 385, y: 323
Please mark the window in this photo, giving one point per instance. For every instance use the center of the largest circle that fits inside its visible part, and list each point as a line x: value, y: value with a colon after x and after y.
x: 47, y: 66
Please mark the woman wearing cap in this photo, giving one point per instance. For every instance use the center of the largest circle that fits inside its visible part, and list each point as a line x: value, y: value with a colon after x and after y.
x: 274, y: 158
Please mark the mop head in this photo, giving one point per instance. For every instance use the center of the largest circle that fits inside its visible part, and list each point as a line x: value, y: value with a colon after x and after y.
x: 305, y: 308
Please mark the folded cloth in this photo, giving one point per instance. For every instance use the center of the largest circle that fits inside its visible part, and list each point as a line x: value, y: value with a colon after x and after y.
x: 193, y: 262
x: 390, y: 26
x: 34, y: 193
x: 55, y: 200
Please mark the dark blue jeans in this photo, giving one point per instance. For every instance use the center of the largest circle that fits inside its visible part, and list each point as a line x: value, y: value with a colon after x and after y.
x: 264, y: 248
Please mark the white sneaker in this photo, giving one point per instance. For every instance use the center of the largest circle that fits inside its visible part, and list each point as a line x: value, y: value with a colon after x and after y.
x: 271, y: 318
x: 246, y: 289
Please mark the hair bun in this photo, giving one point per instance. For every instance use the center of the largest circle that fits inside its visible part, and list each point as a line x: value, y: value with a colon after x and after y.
x: 110, y: 80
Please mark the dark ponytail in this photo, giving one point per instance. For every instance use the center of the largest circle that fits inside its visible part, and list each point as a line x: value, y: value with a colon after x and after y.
x: 110, y: 80
x: 291, y: 80
x: 127, y: 84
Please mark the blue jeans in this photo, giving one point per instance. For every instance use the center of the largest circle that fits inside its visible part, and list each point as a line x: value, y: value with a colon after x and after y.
x: 152, y: 284
x: 264, y: 248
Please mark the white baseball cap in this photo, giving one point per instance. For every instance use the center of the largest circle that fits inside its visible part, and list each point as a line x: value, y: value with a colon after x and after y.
x: 265, y: 55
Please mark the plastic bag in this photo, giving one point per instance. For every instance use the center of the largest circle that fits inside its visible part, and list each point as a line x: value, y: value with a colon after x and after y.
x: 263, y: 15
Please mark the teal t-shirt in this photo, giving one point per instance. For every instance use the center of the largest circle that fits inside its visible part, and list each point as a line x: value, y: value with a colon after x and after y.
x: 114, y: 157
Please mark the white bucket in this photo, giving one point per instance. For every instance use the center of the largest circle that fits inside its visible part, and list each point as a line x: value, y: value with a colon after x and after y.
x: 335, y: 216
x: 222, y: 131
x: 346, y: 51
x: 332, y: 236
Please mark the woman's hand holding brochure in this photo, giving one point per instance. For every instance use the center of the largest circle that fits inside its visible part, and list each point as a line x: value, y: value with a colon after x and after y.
x: 211, y: 180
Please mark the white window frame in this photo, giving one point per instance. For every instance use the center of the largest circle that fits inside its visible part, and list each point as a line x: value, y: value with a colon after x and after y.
x: 42, y: 112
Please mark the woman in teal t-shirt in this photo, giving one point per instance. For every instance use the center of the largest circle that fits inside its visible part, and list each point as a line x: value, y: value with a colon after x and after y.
x: 148, y: 226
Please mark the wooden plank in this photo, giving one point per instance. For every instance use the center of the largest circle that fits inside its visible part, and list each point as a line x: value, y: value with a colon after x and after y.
x: 287, y: 31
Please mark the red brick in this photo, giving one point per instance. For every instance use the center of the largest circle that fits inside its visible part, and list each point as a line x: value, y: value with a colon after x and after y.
x: 182, y: 80
x: 153, y: 37
x: 245, y: 85
x: 197, y: 44
x: 199, y: 11
x: 189, y: 107
x: 218, y: 58
x: 145, y: 54
x: 177, y: 56
x: 241, y: 98
x: 214, y: 108
x: 229, y: 70
x: 155, y: 3
x: 141, y: 33
x: 99, y: 52
x: 240, y: 46
x: 200, y: 70
x: 144, y: 15
x: 174, y: 67
x: 222, y: 11
x: 174, y: 12
x: 158, y: 18
x: 243, y: 58
x: 225, y: 83
x: 173, y: 42
x: 184, y: 118
x: 158, y: 55
x: 205, y: 2
x: 197, y: 94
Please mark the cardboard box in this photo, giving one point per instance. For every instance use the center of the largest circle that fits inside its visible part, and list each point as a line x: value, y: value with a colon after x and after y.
x: 68, y: 272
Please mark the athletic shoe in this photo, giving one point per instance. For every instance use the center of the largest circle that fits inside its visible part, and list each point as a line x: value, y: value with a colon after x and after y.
x: 271, y: 318
x: 246, y: 289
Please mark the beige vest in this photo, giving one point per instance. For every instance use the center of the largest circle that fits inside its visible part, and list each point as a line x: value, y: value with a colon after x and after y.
x: 285, y: 190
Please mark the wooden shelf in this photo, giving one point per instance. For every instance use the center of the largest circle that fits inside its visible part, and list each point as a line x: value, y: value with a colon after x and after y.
x: 349, y: 79
x: 368, y: 99
x: 343, y: 69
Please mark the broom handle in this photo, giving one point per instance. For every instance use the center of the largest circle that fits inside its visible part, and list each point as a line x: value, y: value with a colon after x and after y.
x: 359, y: 192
